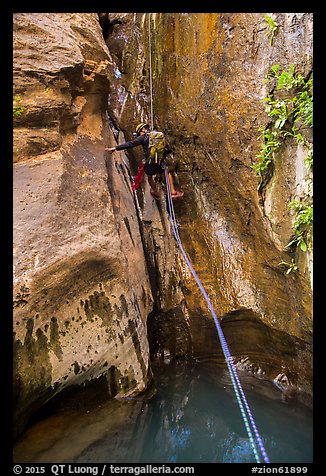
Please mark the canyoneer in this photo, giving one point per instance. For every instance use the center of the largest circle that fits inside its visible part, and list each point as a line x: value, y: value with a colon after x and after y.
x: 156, y: 150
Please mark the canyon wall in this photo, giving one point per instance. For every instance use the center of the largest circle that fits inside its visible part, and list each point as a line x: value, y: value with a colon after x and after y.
x: 100, y: 289
x: 209, y: 82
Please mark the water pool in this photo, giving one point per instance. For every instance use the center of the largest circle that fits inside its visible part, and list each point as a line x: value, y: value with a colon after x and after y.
x: 190, y: 415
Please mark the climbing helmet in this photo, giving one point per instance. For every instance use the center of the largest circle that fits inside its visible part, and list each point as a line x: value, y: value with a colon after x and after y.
x: 140, y: 126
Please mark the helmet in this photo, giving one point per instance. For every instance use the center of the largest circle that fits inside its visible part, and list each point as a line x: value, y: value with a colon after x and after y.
x: 140, y: 126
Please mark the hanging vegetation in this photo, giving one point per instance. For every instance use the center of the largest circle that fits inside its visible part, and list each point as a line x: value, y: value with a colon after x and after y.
x: 291, y: 113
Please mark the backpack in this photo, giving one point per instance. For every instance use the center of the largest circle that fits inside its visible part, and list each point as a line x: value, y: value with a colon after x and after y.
x: 156, y: 146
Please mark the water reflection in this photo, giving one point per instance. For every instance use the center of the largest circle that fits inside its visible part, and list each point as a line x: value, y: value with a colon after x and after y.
x: 193, y: 417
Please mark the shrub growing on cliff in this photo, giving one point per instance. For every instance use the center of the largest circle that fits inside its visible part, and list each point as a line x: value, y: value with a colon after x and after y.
x: 302, y: 223
x: 300, y: 103
x: 290, y: 112
x: 18, y: 110
x: 271, y: 143
x: 272, y: 28
x: 290, y: 267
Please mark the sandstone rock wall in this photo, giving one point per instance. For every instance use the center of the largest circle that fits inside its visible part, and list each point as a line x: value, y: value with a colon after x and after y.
x: 208, y: 86
x: 95, y: 267
x: 82, y: 291
x: 209, y: 83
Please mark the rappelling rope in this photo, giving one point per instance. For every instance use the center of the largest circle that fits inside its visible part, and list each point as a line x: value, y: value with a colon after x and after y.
x: 240, y: 396
x: 150, y: 69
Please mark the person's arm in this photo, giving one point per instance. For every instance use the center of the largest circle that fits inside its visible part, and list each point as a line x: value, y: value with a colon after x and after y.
x: 127, y: 145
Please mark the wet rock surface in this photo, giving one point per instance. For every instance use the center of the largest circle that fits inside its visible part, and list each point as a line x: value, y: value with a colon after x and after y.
x: 208, y: 83
x: 81, y: 289
x: 271, y: 355
x: 208, y: 86
x: 213, y: 71
x: 95, y: 267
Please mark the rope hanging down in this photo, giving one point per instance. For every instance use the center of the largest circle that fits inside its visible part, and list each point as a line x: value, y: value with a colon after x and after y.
x: 150, y: 69
x: 241, y: 399
x: 240, y: 396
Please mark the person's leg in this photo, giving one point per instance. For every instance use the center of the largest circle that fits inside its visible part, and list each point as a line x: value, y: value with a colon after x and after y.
x: 152, y: 183
x: 173, y: 190
x: 171, y: 168
x: 174, y: 193
x: 154, y: 192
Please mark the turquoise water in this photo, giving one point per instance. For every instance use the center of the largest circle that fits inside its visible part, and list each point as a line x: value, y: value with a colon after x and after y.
x: 192, y: 416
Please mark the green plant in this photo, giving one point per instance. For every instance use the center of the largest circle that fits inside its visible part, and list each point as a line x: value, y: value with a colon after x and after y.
x: 303, y: 106
x: 302, y: 222
x: 18, y: 110
x: 277, y: 109
x: 308, y: 161
x: 270, y: 144
x: 272, y: 27
x: 302, y: 103
x: 286, y: 79
x: 293, y: 133
x: 291, y: 267
x: 286, y: 113
x: 289, y: 113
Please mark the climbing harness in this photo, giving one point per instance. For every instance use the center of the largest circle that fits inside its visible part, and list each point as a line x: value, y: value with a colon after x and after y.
x: 240, y: 396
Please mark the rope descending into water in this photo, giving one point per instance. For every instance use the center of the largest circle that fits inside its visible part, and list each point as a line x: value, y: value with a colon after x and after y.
x: 242, y: 401
x: 240, y: 396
